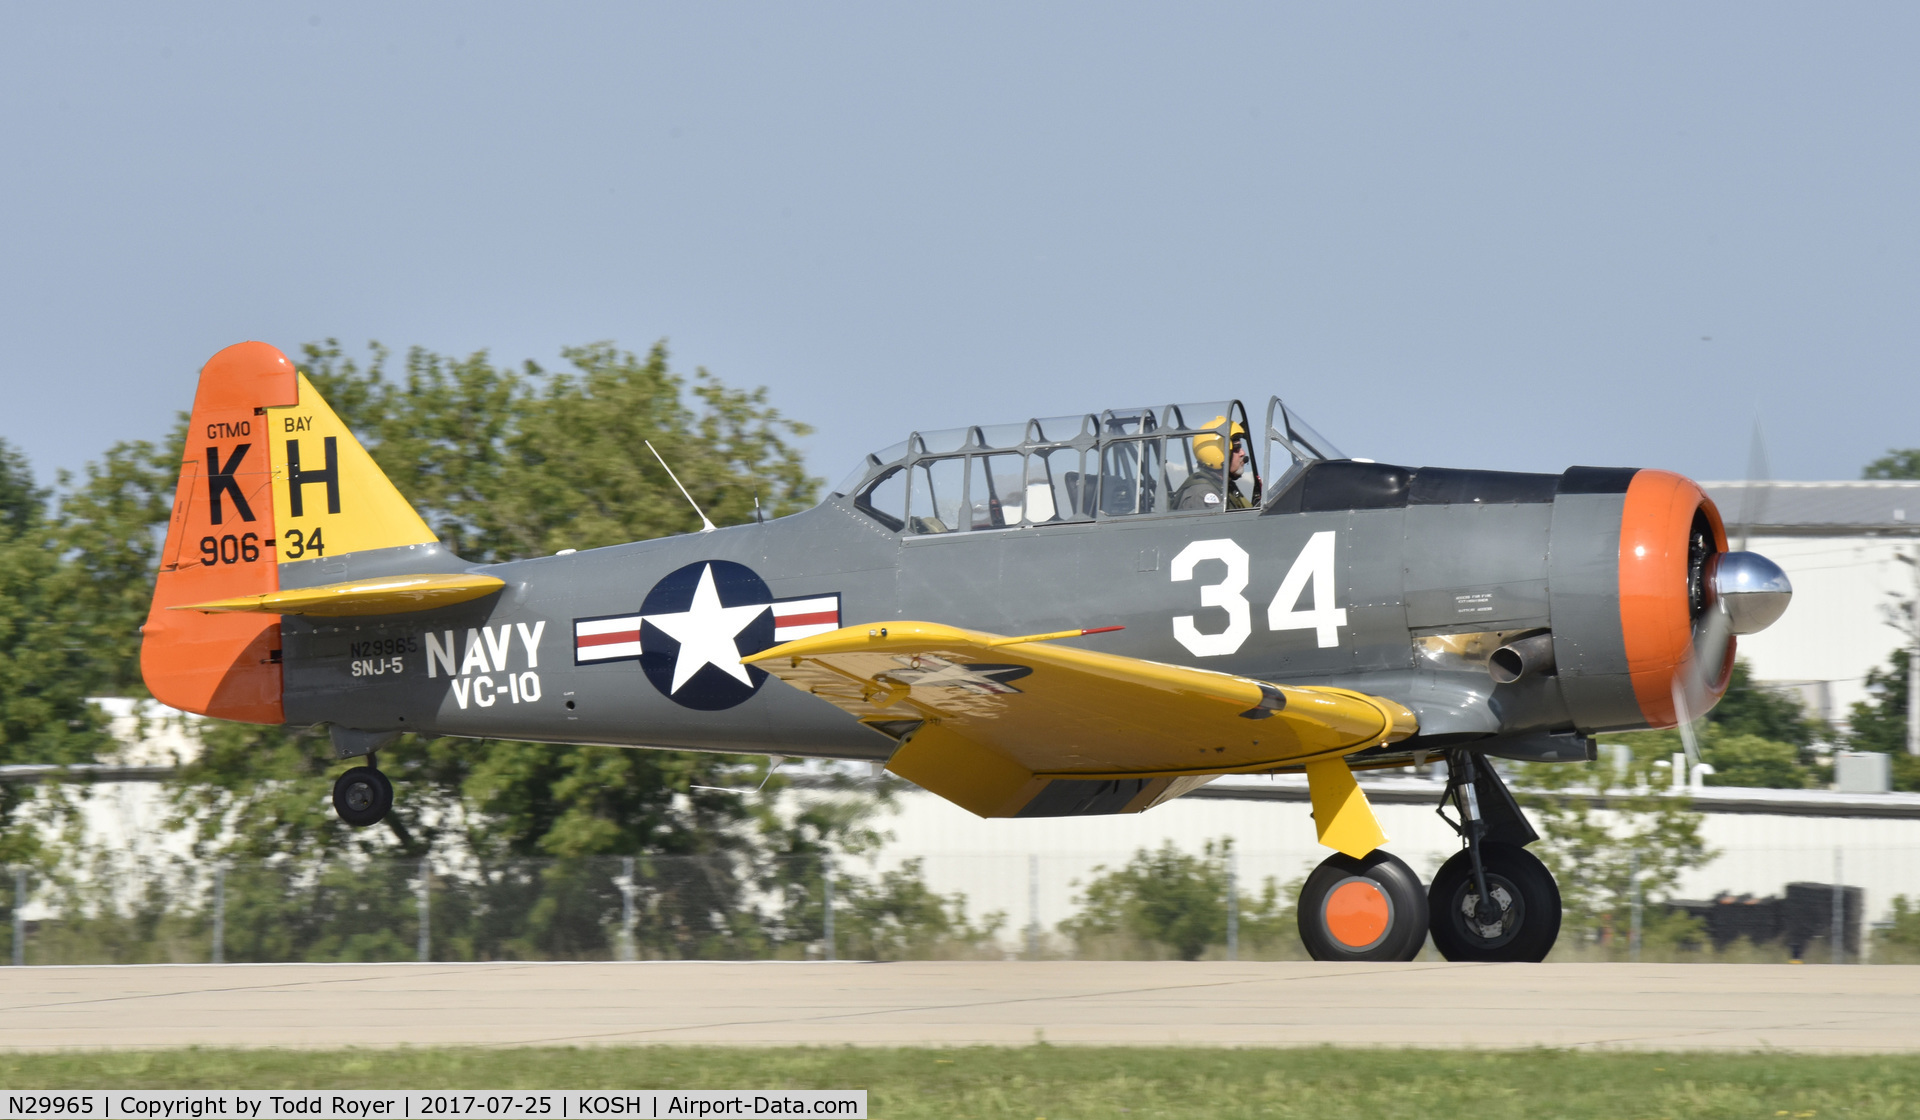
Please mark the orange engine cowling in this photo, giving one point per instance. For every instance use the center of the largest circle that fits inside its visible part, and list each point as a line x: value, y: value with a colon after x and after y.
x: 1669, y: 533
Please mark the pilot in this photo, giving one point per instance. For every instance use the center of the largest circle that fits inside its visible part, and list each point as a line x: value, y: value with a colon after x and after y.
x: 1203, y: 488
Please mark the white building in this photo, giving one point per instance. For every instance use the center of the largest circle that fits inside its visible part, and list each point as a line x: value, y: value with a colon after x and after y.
x: 1839, y: 543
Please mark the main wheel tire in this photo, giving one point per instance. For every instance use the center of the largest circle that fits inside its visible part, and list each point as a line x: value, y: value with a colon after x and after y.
x: 1368, y: 909
x: 362, y: 796
x: 1529, y: 901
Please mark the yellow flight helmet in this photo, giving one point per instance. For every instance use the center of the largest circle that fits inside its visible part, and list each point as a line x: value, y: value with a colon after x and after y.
x: 1210, y: 449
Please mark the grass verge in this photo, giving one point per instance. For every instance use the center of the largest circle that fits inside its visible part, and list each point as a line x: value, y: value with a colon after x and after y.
x: 1067, y: 1083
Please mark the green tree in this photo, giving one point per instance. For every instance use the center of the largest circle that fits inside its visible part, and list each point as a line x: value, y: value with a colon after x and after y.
x: 110, y: 527
x: 1880, y: 724
x: 48, y: 667
x: 1899, y: 942
x: 22, y: 503
x: 1748, y: 709
x: 508, y: 463
x: 1597, y: 854
x: 1749, y: 760
x: 1165, y: 902
x: 895, y: 916
x: 1162, y: 897
x: 1896, y: 463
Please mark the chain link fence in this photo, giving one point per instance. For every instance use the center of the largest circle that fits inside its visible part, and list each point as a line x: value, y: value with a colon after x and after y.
x: 1210, y: 905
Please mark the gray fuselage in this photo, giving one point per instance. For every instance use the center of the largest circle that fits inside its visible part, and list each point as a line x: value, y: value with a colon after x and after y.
x: 1428, y: 567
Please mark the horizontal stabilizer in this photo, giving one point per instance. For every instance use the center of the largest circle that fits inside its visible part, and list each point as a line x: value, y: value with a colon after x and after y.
x: 388, y: 595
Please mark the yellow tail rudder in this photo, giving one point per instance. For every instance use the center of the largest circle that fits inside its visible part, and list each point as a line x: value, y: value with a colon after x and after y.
x: 328, y: 495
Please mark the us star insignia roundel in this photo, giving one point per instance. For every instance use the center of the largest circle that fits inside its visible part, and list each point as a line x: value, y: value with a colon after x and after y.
x: 695, y: 626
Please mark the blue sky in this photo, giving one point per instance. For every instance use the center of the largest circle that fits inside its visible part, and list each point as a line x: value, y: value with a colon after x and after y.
x: 1509, y: 236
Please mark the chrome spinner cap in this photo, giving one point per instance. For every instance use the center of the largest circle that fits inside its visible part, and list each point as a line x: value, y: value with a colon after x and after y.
x: 1751, y: 589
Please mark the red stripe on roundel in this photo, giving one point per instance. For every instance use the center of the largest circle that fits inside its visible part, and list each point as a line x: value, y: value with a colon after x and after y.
x: 816, y: 619
x: 586, y: 641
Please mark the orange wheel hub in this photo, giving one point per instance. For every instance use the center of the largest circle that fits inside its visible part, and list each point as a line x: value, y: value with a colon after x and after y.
x: 1358, y: 913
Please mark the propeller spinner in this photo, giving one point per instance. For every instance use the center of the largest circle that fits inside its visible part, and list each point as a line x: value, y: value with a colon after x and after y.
x: 1751, y: 589
x: 1746, y: 594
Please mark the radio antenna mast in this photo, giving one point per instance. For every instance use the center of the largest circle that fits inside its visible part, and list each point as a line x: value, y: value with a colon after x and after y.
x: 705, y: 525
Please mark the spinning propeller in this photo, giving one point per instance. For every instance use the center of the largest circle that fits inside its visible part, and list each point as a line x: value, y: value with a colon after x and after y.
x: 1736, y: 592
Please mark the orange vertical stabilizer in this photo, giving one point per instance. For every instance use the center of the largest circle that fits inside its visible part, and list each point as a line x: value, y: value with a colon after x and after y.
x: 220, y: 543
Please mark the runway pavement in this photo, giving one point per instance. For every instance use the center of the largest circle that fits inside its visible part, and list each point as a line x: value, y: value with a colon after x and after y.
x: 1718, y: 1007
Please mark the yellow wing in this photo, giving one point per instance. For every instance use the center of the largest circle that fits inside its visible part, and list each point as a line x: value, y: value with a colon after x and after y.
x: 1009, y: 727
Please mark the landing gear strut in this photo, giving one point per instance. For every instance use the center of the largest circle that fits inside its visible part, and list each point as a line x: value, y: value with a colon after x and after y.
x: 363, y: 794
x: 1493, y: 901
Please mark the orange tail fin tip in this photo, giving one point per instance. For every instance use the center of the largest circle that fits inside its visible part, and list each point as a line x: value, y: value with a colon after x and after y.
x: 220, y: 544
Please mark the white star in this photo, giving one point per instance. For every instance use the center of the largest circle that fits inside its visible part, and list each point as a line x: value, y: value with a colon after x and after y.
x: 706, y: 632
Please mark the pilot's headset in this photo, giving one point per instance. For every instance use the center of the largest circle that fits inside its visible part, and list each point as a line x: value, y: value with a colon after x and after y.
x: 1210, y: 449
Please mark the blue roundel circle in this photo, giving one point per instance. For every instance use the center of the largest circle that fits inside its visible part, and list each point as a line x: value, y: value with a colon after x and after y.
x: 696, y: 625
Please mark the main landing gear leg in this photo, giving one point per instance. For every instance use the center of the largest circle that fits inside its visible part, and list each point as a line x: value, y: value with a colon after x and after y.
x: 1494, y: 901
x: 363, y: 794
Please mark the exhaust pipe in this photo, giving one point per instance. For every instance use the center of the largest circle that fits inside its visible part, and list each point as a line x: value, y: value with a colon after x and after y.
x: 1520, y: 658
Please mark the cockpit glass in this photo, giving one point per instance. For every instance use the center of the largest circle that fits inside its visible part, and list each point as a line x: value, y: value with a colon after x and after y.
x: 998, y: 486
x: 885, y: 499
x: 1060, y: 429
x: 867, y: 466
x: 1001, y: 435
x: 1057, y: 489
x: 1127, y: 422
x: 852, y: 480
x: 1191, y: 417
x: 1303, y: 433
x: 943, y: 441
x: 1132, y: 462
x: 1295, y: 437
x: 1131, y: 478
x: 937, y: 496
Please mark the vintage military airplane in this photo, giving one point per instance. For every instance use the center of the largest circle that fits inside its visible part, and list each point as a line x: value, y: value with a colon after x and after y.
x: 1071, y: 615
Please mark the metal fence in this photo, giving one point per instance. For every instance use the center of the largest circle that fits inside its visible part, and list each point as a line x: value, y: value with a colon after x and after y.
x: 131, y: 910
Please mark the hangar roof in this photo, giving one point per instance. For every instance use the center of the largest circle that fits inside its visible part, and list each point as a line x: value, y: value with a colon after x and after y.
x: 1820, y: 509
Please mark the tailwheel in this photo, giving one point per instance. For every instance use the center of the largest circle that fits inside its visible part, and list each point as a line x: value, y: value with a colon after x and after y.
x: 1520, y: 919
x: 362, y: 796
x: 1368, y: 909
